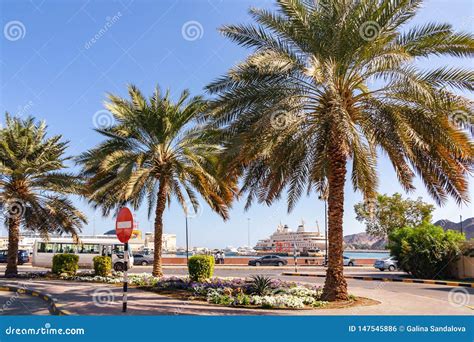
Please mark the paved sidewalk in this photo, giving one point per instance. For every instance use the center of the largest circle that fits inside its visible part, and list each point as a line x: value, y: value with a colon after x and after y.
x: 12, y: 303
x: 103, y: 299
x: 388, y: 277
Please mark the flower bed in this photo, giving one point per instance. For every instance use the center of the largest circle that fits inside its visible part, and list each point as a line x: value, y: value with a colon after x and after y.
x: 253, y: 292
x: 227, y: 291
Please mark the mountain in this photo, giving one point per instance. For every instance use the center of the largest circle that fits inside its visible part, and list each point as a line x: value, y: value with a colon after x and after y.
x: 363, y: 241
x: 467, y: 226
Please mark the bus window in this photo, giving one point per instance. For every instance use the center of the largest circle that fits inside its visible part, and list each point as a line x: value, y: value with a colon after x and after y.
x: 88, y: 248
x: 44, y: 247
x: 64, y: 248
x: 118, y: 249
x: 106, y: 250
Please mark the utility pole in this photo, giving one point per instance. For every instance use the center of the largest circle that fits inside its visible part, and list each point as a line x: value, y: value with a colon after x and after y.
x: 93, y: 226
x: 248, y: 231
x: 187, y: 242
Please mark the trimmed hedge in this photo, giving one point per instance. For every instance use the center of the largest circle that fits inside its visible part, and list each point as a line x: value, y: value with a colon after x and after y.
x: 102, y: 265
x: 201, y: 267
x: 65, y: 263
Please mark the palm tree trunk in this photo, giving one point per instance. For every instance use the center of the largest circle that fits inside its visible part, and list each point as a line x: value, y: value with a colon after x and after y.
x: 13, y: 240
x: 160, y: 208
x: 335, y: 287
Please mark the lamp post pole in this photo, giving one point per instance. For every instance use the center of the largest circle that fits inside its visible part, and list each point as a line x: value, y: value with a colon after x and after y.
x: 187, y: 242
x: 248, y: 231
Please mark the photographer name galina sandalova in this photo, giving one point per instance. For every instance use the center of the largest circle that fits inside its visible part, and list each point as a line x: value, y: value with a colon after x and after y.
x: 434, y: 328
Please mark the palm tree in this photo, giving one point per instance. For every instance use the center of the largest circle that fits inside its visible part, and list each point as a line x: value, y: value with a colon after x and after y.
x: 33, y: 184
x: 154, y: 151
x: 334, y: 82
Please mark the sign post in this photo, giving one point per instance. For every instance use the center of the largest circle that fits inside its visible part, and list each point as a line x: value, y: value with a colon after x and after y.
x: 124, y: 229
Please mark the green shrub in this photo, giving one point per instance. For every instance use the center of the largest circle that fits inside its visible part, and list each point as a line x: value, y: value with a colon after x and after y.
x: 426, y: 250
x: 201, y: 267
x: 65, y: 263
x: 102, y: 265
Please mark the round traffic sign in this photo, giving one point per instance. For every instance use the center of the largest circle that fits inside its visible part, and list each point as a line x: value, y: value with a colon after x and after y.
x: 124, y: 225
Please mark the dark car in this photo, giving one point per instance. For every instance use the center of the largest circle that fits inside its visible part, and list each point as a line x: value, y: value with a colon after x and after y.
x: 268, y: 260
x: 23, y: 256
x: 142, y: 259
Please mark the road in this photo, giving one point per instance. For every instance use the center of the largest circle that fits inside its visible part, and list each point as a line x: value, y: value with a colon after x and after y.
x: 373, y: 288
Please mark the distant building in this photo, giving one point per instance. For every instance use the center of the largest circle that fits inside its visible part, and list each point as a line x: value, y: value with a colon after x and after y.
x: 168, y: 242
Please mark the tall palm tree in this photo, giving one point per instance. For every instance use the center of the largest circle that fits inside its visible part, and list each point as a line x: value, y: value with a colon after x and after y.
x: 154, y: 151
x: 33, y: 184
x: 328, y: 84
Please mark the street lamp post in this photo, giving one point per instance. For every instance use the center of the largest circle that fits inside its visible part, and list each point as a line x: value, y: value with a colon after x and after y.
x: 248, y: 231
x: 187, y: 244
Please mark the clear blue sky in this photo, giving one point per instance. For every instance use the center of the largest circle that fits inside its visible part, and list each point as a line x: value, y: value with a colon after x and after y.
x: 51, y: 69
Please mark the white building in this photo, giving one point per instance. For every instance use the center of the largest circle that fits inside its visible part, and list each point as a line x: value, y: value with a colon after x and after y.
x: 168, y: 242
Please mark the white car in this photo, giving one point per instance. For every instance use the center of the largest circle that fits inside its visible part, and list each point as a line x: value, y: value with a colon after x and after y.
x: 348, y: 261
x: 389, y: 263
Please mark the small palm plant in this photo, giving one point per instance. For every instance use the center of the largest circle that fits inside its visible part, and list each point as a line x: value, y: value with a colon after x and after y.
x: 261, y: 285
x: 155, y: 151
x: 33, y: 185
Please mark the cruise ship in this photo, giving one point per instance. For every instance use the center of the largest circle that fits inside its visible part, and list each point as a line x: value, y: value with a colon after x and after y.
x: 284, y: 241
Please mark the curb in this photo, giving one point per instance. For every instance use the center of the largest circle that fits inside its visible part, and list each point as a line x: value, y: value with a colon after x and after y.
x: 53, y: 307
x: 398, y: 280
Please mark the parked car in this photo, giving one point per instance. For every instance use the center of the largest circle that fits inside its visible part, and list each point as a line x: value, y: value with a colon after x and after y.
x: 348, y: 261
x: 268, y: 260
x: 23, y: 256
x: 142, y: 259
x: 389, y: 263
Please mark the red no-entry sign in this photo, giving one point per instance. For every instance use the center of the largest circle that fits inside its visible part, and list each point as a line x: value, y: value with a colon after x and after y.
x: 124, y: 229
x: 124, y: 225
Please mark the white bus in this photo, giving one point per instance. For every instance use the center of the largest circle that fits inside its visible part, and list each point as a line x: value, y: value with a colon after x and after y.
x: 86, y: 249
